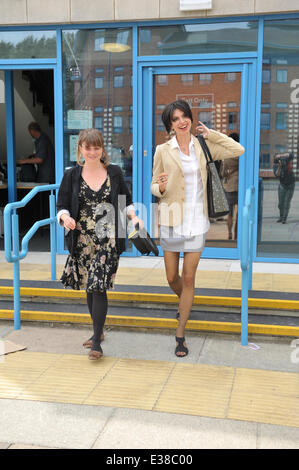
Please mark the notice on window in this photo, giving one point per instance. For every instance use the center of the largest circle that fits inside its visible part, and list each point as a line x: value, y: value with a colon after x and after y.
x: 79, y: 119
x: 198, y: 100
x: 73, y: 147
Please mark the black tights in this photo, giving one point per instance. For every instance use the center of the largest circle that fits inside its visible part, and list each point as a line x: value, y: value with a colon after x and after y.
x: 97, y: 306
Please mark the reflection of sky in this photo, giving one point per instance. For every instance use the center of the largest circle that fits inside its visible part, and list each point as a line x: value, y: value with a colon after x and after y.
x: 16, y: 37
x: 191, y: 28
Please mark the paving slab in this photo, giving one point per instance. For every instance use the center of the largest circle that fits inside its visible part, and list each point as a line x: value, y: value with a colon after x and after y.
x: 271, y: 353
x: 278, y: 437
x: 57, y: 425
x: 154, y: 430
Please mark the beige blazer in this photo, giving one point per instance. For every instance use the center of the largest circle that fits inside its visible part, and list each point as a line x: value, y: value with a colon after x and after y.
x: 167, y: 160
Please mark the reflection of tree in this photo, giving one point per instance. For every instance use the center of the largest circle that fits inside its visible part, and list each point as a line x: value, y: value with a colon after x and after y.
x: 30, y: 47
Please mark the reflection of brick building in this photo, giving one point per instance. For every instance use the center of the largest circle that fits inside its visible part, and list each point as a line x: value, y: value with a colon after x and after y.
x: 213, y: 97
x: 279, y: 115
x: 102, y: 84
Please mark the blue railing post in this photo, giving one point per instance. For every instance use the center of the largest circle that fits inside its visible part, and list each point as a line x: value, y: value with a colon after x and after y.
x: 11, y: 240
x: 16, y: 271
x: 246, y: 259
x: 52, y: 235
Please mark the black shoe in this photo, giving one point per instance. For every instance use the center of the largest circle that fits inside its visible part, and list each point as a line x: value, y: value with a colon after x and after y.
x: 180, y: 347
x: 279, y: 220
x: 284, y: 221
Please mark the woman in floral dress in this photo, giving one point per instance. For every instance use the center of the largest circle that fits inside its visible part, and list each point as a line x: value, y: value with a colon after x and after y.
x: 93, y: 200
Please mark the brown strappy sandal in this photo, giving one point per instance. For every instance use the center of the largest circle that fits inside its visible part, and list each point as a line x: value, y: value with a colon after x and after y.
x: 88, y: 343
x: 95, y: 355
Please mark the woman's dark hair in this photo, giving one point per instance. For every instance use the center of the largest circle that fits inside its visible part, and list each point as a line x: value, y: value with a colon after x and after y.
x: 235, y: 136
x: 170, y: 109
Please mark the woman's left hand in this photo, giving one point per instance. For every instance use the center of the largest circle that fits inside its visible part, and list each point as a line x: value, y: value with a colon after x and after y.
x: 203, y: 130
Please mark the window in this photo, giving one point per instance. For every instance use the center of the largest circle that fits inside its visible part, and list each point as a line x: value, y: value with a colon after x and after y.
x: 281, y: 105
x: 159, y: 123
x: 282, y: 76
x: 205, y: 103
x: 281, y: 121
x: 131, y: 124
x: 117, y: 124
x: 162, y: 79
x: 266, y: 76
x: 98, y: 109
x: 232, y: 121
x: 118, y: 81
x: 280, y: 148
x: 206, y: 117
x: 187, y: 79
x: 265, y: 147
x: 232, y: 104
x: 265, y: 121
x: 98, y: 70
x: 99, y: 82
x: 117, y: 108
x: 98, y: 123
x: 205, y: 77
x: 201, y: 38
x: 230, y: 77
x: 265, y: 161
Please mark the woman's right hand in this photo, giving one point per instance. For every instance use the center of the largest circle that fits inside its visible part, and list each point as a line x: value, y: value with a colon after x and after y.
x: 68, y: 222
x: 162, y: 180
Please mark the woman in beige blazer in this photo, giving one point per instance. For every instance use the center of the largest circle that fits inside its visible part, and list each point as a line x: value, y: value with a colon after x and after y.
x: 179, y: 181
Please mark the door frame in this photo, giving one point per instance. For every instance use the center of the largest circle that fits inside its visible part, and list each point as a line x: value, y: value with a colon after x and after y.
x: 8, y: 66
x: 147, y: 68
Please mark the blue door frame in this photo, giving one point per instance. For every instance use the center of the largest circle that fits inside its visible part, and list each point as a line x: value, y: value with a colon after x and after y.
x: 145, y: 132
x: 37, y: 64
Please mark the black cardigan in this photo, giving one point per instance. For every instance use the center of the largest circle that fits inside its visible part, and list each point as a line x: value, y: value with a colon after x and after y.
x: 68, y: 199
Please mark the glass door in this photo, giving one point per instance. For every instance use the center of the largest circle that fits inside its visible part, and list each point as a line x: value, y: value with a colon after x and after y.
x: 218, y: 97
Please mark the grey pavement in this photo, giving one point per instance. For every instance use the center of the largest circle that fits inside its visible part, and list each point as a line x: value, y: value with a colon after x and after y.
x: 33, y: 425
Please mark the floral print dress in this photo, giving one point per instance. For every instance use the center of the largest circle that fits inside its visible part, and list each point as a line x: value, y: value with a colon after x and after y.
x: 94, y: 264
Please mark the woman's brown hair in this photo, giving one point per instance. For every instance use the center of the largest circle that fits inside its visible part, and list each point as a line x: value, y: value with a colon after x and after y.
x: 92, y: 138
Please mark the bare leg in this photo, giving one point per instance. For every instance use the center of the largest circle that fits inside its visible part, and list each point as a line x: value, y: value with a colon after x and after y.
x: 191, y: 261
x: 171, y: 261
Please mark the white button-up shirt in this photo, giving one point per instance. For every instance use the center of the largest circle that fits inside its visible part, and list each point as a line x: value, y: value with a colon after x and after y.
x: 194, y: 221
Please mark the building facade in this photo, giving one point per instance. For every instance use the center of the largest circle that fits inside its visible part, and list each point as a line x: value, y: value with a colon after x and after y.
x: 114, y: 66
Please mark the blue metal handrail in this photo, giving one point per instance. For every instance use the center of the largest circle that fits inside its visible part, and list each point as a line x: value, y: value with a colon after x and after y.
x: 11, y: 240
x: 246, y: 259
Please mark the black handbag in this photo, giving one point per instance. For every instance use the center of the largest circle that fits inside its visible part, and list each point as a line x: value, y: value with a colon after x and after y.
x: 143, y: 242
x: 217, y: 201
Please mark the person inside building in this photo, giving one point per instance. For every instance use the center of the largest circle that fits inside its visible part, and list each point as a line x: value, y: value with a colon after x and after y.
x: 92, y: 198
x: 230, y: 181
x: 179, y: 181
x: 44, y: 156
x: 283, y: 169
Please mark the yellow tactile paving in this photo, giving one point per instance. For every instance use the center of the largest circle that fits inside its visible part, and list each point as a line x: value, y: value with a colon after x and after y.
x: 132, y: 384
x: 265, y: 396
x: 70, y: 378
x: 197, y: 389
